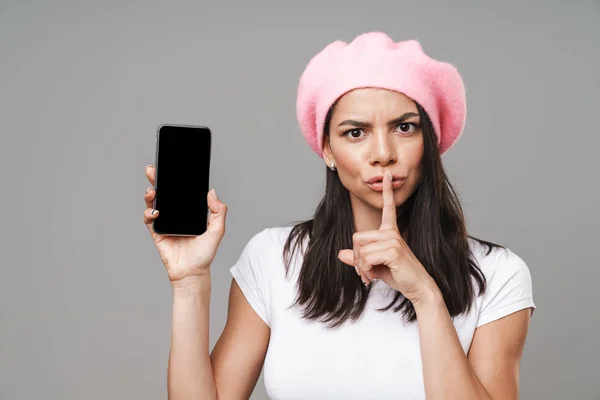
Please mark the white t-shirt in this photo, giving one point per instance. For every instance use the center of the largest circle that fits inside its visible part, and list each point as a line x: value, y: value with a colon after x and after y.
x: 376, y: 357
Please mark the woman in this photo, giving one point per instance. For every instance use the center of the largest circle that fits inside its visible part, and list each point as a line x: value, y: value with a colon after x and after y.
x: 383, y: 295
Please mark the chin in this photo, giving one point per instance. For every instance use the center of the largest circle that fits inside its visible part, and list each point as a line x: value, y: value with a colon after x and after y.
x: 400, y: 196
x: 375, y: 199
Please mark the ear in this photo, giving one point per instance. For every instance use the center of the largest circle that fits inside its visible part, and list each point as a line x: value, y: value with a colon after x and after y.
x: 327, y: 154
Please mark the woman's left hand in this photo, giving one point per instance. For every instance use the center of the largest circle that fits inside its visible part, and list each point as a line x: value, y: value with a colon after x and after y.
x: 383, y: 254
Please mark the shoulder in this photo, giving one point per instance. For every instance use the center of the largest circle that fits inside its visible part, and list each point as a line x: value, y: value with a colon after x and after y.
x: 263, y: 251
x: 268, y: 239
x: 497, y: 261
x: 508, y: 282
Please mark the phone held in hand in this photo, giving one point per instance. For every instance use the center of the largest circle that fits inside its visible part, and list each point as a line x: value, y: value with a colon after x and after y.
x: 181, y: 183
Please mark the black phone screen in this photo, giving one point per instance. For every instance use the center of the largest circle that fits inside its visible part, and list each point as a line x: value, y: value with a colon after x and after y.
x: 182, y: 178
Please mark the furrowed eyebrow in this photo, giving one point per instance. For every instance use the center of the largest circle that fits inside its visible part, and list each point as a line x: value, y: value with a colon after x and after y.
x: 394, y: 122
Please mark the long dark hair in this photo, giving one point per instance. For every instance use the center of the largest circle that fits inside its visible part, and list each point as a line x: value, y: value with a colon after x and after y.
x: 332, y: 292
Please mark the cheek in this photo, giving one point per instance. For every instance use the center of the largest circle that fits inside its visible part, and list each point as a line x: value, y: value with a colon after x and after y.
x: 416, y: 153
x: 416, y: 162
x: 413, y: 159
x: 348, y: 163
x: 348, y: 169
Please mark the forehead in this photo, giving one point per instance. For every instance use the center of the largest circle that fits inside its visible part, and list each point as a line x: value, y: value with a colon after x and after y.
x: 373, y: 102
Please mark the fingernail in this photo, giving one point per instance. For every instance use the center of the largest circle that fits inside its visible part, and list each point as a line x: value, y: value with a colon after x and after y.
x: 147, y: 190
x: 389, y: 174
x: 213, y: 193
x: 154, y: 212
x: 149, y: 165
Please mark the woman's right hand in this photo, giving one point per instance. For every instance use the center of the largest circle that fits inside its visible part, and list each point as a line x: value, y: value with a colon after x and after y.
x: 186, y: 258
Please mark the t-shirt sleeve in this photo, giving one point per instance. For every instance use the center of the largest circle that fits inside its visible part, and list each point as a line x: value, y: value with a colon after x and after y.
x: 509, y: 289
x: 250, y: 275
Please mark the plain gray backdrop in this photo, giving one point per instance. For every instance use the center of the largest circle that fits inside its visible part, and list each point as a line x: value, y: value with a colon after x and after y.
x: 85, y: 303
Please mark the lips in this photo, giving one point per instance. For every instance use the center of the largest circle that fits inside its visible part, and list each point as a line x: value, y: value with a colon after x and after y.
x: 378, y: 186
x: 379, y: 179
x: 376, y: 182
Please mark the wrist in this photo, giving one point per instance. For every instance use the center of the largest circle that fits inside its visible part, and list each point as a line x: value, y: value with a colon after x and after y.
x: 429, y: 296
x: 191, y: 286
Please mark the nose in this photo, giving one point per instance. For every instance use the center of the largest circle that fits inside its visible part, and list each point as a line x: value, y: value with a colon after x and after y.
x: 382, y: 149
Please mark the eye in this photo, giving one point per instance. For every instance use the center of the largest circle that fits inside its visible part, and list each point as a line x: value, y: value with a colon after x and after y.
x: 355, y: 133
x: 407, y: 127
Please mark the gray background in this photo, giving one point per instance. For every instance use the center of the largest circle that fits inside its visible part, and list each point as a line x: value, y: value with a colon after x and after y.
x: 85, y: 304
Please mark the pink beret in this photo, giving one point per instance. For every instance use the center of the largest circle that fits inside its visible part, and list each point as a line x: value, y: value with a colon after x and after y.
x: 374, y: 60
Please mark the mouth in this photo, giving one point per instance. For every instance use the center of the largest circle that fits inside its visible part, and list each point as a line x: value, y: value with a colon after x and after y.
x: 376, y: 183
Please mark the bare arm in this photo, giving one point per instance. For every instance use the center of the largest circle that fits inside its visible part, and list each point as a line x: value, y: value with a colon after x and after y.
x: 190, y: 374
x: 233, y: 368
x: 491, y: 369
x: 496, y: 351
x: 239, y: 354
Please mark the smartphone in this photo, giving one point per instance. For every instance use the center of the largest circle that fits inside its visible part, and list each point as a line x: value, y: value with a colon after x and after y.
x: 181, y: 183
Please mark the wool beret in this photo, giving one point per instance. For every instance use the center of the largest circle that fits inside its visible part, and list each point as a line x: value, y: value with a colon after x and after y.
x: 374, y: 60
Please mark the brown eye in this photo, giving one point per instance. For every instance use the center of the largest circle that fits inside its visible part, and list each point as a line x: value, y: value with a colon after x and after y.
x: 407, y: 127
x: 354, y: 133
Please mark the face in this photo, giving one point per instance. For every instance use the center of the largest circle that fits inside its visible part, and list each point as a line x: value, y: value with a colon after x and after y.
x: 372, y: 130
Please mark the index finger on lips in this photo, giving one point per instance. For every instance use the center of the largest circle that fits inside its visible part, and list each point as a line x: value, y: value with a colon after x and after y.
x: 388, y: 213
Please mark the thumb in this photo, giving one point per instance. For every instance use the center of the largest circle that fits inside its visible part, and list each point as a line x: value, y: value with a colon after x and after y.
x: 218, y: 214
x: 347, y: 257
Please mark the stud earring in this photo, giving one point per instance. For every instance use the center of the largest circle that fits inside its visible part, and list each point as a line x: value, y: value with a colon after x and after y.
x: 332, y: 166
